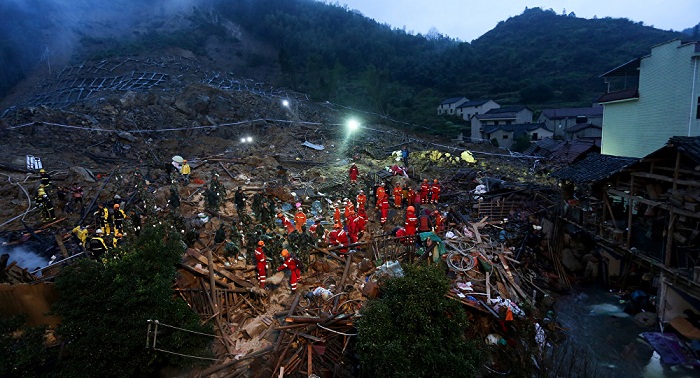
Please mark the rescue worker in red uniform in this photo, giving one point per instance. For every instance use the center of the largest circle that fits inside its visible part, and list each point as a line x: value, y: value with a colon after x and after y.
x: 425, y: 224
x: 360, y: 223
x: 350, y: 225
x: 397, y: 195
x: 353, y: 174
x: 342, y: 239
x: 435, y: 192
x: 424, y: 189
x: 291, y: 264
x: 361, y: 200
x: 411, y: 222
x: 261, y: 263
x: 286, y: 223
x: 333, y: 235
x: 383, y: 207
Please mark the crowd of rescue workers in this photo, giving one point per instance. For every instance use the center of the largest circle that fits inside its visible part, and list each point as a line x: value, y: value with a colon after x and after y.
x: 277, y: 232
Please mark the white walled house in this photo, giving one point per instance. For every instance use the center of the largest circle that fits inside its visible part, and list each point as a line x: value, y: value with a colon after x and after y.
x: 509, y: 115
x: 505, y: 135
x: 449, y: 106
x: 651, y: 99
x: 562, y: 119
x: 469, y: 109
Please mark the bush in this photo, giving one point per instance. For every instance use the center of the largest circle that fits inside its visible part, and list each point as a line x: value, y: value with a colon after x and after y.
x: 104, y: 308
x: 415, y: 331
x: 22, y: 351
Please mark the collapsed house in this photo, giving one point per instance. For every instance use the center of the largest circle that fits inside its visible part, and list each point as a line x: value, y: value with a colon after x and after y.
x: 643, y: 215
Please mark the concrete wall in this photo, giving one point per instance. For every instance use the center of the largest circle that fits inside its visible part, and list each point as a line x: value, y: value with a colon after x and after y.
x: 666, y: 106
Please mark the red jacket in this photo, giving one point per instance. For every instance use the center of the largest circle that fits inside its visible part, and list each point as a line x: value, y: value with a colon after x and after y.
x: 353, y: 173
x: 411, y: 222
x: 260, y: 255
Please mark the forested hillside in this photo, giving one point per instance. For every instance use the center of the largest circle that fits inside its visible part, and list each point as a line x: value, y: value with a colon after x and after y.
x: 538, y: 58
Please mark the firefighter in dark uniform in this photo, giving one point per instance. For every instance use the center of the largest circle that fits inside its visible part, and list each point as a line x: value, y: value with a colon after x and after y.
x: 45, y: 180
x: 118, y: 216
x: 46, y: 205
x: 97, y: 246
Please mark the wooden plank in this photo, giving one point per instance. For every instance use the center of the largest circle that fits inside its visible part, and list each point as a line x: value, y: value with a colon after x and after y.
x: 223, y: 273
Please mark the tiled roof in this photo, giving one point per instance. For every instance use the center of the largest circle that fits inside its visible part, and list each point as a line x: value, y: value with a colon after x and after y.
x: 570, y: 152
x: 593, y: 167
x: 451, y: 100
x: 582, y: 126
x: 508, y: 109
x: 516, y: 128
x: 470, y: 104
x: 561, y: 113
x: 690, y: 146
x: 624, y: 94
x: 543, y: 147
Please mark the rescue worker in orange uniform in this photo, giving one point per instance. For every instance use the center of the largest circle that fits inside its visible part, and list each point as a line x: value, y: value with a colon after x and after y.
x: 361, y: 200
x: 261, y: 263
x: 435, y: 192
x: 336, y: 213
x: 397, y: 195
x: 291, y: 264
x: 439, y: 222
x: 424, y: 189
x: 381, y: 192
x: 299, y: 219
x: 349, y: 208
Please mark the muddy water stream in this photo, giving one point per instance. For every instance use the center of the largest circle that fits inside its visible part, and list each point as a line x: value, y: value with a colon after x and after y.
x: 596, y: 318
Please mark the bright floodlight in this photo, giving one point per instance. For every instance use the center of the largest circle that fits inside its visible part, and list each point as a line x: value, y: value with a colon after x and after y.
x: 249, y: 139
x: 285, y: 103
x: 353, y: 125
x: 243, y: 140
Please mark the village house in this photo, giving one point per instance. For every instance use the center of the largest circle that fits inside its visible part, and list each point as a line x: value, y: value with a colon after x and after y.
x: 471, y: 108
x: 644, y: 215
x: 449, y: 106
x: 652, y: 98
x: 585, y: 131
x: 563, y: 120
x: 506, y: 135
x: 509, y: 115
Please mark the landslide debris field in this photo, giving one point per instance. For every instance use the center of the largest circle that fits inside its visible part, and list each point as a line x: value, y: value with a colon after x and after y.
x: 113, y: 128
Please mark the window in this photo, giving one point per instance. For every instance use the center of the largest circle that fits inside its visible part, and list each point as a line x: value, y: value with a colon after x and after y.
x: 496, y: 122
x: 581, y: 119
x: 509, y: 122
x: 505, y: 136
x: 697, y: 111
x: 534, y: 136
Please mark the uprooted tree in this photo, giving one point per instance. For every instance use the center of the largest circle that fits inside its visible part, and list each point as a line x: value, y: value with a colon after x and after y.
x: 414, y: 330
x: 104, y: 307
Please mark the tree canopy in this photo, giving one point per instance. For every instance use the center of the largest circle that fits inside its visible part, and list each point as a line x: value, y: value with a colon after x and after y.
x: 104, y: 307
x: 413, y: 330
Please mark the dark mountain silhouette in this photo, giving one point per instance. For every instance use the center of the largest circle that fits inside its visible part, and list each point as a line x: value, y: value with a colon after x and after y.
x: 538, y: 58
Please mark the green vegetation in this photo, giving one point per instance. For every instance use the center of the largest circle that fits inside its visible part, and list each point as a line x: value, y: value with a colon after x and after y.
x: 22, y: 351
x: 104, y: 308
x: 538, y: 58
x: 413, y: 330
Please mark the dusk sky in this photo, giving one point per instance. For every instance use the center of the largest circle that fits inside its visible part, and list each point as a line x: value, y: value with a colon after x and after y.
x: 468, y: 20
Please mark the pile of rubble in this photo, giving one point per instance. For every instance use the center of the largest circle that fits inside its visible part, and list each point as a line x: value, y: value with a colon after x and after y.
x: 120, y: 150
